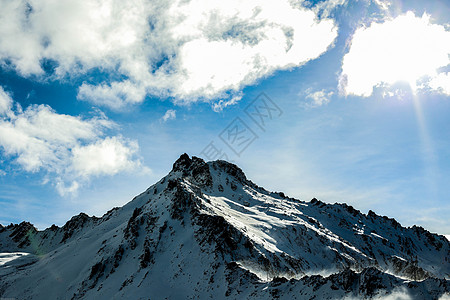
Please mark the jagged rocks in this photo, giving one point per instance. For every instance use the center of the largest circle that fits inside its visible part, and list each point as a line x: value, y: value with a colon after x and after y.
x: 346, y: 280
x: 131, y: 232
x: 408, y: 268
x: 278, y: 280
x: 215, y: 230
x: 22, y: 233
x: 181, y: 201
x: 200, y: 172
x: 433, y: 239
x: 110, y: 213
x: 232, y: 170
x: 195, y: 168
x: 237, y: 278
x: 171, y: 184
x: 146, y: 257
x: 118, y: 256
x: 182, y: 163
x: 97, y: 270
x: 370, y: 281
x: 206, y: 231
x: 74, y: 224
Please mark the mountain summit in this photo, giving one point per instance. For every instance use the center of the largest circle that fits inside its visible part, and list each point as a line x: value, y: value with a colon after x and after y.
x: 206, y: 231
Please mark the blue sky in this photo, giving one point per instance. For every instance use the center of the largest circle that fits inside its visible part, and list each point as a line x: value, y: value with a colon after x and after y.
x: 99, y: 98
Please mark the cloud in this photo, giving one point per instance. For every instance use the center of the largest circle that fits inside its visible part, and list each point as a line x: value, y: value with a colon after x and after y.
x: 326, y: 8
x: 222, y: 103
x: 317, y: 98
x: 185, y: 50
x: 113, y: 95
x: 5, y: 102
x: 441, y: 83
x: 404, y: 49
x: 104, y: 157
x: 396, y: 294
x: 169, y: 115
x: 70, y: 150
x: 383, y: 4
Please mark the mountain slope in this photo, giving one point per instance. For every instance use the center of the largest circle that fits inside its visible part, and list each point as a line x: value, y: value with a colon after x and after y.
x: 206, y: 231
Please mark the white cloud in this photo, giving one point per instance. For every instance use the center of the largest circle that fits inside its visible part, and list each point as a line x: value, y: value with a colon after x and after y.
x: 383, y: 4
x: 404, y: 49
x: 69, y: 149
x: 104, y: 157
x: 222, y: 103
x: 396, y: 294
x: 169, y: 115
x: 5, y: 102
x: 441, y: 83
x: 189, y: 50
x: 326, y: 8
x: 317, y: 98
x: 113, y: 95
x: 66, y: 188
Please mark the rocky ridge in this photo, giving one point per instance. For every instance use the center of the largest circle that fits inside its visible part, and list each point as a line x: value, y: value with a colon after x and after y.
x: 205, y: 230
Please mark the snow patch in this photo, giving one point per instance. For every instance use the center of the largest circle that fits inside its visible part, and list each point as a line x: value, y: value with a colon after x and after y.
x: 7, y: 257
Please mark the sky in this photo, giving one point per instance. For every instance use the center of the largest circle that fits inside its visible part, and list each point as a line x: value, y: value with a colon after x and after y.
x: 341, y: 100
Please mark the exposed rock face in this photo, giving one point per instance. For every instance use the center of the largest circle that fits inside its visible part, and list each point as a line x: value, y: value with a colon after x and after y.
x: 76, y: 224
x: 231, y: 169
x: 194, y: 168
x: 22, y: 233
x: 206, y: 231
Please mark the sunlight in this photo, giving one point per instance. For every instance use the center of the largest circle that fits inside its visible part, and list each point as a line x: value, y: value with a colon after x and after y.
x: 430, y: 163
x: 404, y: 49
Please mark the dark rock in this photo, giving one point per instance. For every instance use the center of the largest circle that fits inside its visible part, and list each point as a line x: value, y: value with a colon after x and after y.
x: 370, y: 281
x: 232, y: 170
x: 278, y: 280
x: 131, y: 232
x: 118, y: 256
x: 97, y: 270
x: 74, y: 224
x: 182, y: 163
x: 171, y: 184
x: 22, y: 232
x: 146, y: 257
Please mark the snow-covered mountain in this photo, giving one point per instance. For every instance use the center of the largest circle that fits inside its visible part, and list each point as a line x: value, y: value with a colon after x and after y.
x: 206, y: 231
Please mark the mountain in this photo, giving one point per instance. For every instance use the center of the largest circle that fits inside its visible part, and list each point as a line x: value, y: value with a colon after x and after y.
x: 206, y: 231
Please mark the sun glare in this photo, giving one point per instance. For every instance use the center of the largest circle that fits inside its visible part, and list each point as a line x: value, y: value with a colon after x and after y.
x: 404, y: 49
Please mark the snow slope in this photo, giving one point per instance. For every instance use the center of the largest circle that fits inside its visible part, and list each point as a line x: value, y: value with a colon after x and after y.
x: 206, y: 231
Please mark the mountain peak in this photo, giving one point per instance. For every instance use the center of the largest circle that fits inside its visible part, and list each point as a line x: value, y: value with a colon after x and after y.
x: 231, y: 169
x: 194, y: 167
x: 205, y: 230
x: 182, y: 163
x: 200, y: 170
